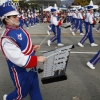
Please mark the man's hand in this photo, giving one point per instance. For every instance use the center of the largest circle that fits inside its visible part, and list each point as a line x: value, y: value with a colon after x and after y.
x: 36, y: 47
x: 41, y: 58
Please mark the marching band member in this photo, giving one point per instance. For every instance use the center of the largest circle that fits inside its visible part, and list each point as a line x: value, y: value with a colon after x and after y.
x: 56, y: 28
x: 50, y: 26
x: 75, y: 20
x: 71, y: 18
x: 25, y: 18
x: 36, y: 18
x: 20, y: 20
x: 88, y: 25
x: 79, y: 19
x: 19, y: 53
x: 30, y: 17
x: 94, y: 60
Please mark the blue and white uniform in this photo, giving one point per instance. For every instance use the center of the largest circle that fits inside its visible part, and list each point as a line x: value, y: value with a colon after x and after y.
x: 20, y: 20
x: 80, y: 18
x: 74, y: 24
x: 36, y: 18
x: 24, y: 17
x: 89, y: 22
x: 88, y: 25
x: 19, y: 52
x: 56, y: 29
x: 30, y: 16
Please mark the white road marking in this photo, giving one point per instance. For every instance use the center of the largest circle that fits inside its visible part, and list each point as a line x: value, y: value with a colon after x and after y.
x: 76, y: 52
x: 84, y: 52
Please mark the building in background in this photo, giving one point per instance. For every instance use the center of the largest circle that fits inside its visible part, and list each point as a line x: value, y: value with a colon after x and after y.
x: 66, y: 2
x: 44, y: 3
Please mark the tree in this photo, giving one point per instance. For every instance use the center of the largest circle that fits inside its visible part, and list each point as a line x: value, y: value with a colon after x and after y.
x: 28, y: 4
x: 81, y: 2
x: 85, y: 2
x: 23, y: 4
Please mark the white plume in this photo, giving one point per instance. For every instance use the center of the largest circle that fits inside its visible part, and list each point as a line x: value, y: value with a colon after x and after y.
x: 91, y: 3
x: 55, y: 6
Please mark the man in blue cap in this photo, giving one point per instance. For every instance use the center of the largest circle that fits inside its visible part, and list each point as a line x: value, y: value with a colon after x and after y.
x: 88, y: 25
x: 19, y: 52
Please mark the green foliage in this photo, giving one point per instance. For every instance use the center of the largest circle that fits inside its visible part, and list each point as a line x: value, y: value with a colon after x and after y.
x: 23, y: 4
x: 84, y: 2
x: 29, y: 4
x: 81, y: 2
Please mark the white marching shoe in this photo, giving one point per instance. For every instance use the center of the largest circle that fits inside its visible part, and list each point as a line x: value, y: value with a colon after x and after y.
x: 4, y: 97
x: 81, y: 34
x: 97, y: 31
x: 70, y: 29
x: 27, y: 27
x: 49, y: 27
x: 93, y: 27
x: 60, y: 44
x: 73, y: 33
x: 94, y: 45
x: 49, y: 42
x: 81, y: 45
x: 48, y: 32
x: 90, y: 65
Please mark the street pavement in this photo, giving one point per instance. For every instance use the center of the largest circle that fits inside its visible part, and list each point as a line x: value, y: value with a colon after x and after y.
x: 82, y: 82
